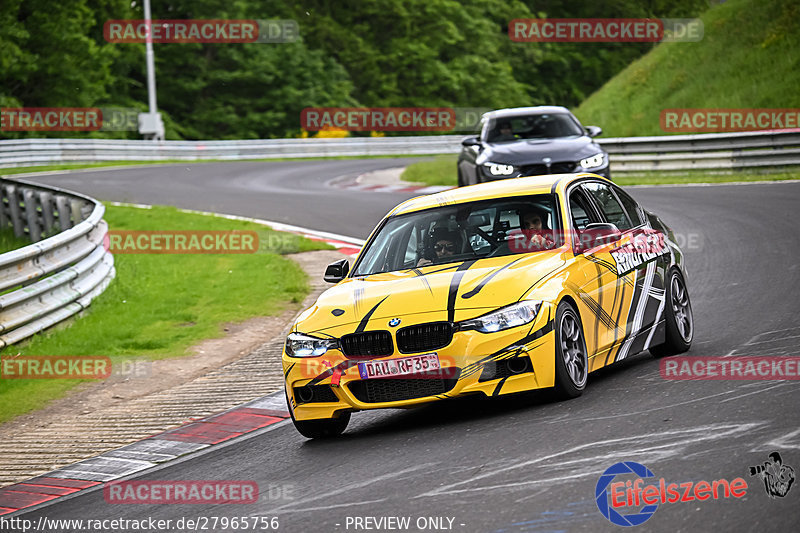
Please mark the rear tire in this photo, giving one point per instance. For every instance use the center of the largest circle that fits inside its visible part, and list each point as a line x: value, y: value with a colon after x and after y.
x: 319, y: 429
x: 572, y: 359
x: 678, y: 317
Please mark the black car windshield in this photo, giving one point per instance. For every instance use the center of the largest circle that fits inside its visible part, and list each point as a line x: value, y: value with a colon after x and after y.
x: 488, y: 228
x: 535, y: 126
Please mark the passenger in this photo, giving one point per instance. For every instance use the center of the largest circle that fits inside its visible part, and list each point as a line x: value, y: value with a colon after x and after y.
x: 532, y: 222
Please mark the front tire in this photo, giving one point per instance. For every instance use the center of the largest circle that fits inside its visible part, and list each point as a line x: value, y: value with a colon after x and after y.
x: 319, y: 429
x: 678, y: 317
x: 572, y: 359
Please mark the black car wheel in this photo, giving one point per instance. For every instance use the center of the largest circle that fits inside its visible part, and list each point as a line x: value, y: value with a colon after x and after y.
x: 678, y: 317
x: 319, y: 429
x: 572, y: 359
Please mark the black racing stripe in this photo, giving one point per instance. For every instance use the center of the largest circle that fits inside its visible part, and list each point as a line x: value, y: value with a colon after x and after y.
x: 440, y: 270
x: 619, y: 315
x: 603, y: 262
x: 286, y: 374
x: 487, y: 279
x: 521, y: 296
x: 420, y: 275
x: 454, y: 283
x: 363, y: 324
x: 637, y: 294
x: 499, y: 386
x: 508, y: 350
x: 593, y: 305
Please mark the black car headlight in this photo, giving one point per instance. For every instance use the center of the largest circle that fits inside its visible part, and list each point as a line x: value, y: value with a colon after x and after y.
x: 511, y: 316
x: 299, y: 345
x: 595, y: 161
x: 498, y: 169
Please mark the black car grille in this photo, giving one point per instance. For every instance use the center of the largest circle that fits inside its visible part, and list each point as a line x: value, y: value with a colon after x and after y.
x: 561, y: 167
x: 424, y: 337
x: 367, y: 344
x: 398, y: 389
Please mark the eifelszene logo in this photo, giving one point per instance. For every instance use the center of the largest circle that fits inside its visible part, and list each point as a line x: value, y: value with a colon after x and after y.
x: 777, y: 477
x: 615, y: 498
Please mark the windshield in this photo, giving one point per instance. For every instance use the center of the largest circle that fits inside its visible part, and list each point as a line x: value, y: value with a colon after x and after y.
x: 489, y: 228
x: 537, y: 126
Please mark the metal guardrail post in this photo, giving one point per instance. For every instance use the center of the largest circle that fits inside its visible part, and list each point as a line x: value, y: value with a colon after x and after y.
x: 58, y: 275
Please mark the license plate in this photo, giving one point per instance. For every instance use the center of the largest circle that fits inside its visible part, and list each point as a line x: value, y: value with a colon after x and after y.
x: 399, y: 367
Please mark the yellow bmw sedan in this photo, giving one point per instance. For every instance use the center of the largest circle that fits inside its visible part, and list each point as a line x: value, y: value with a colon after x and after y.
x: 490, y: 289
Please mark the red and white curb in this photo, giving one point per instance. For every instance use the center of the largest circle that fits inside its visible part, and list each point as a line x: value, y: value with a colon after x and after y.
x: 191, y: 437
x: 354, y: 184
x: 344, y: 244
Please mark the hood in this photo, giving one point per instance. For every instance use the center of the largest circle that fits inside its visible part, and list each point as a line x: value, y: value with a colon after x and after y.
x: 443, y: 290
x: 532, y: 151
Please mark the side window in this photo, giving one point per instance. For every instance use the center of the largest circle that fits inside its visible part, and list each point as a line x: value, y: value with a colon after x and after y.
x: 631, y: 207
x: 581, y: 212
x: 609, y: 204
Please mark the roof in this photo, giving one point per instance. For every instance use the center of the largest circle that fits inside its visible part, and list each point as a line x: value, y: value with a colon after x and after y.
x: 494, y: 189
x: 515, y: 111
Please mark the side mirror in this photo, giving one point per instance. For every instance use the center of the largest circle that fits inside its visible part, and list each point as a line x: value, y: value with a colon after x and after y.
x: 471, y: 141
x: 597, y: 234
x: 336, y: 271
x: 594, y: 131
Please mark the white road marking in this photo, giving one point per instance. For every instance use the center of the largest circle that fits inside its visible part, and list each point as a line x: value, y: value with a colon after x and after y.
x: 350, y: 487
x: 655, y: 446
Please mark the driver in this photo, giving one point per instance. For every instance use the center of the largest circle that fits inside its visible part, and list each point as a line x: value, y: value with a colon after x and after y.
x: 506, y: 132
x: 445, y: 244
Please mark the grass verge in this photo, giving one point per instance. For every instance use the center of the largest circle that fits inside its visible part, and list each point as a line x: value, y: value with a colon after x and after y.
x: 159, y: 305
x: 442, y: 171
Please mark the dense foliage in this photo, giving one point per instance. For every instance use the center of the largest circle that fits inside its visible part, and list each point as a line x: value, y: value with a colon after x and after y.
x: 352, y: 53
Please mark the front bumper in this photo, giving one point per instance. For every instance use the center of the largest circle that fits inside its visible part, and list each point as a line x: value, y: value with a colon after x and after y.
x: 492, y: 364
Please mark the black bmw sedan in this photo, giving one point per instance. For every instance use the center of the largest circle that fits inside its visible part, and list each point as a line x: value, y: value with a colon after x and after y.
x: 528, y: 141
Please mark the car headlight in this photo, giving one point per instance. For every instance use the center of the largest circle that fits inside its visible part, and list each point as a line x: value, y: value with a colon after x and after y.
x: 595, y: 161
x: 299, y: 345
x: 511, y: 316
x: 499, y: 169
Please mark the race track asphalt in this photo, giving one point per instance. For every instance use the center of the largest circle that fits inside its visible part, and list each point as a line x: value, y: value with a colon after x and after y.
x: 521, y: 463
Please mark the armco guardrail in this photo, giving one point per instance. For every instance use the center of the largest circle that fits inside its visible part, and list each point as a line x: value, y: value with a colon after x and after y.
x: 719, y: 151
x: 716, y: 151
x: 64, y: 269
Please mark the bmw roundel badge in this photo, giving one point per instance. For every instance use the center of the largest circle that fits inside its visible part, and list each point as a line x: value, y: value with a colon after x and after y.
x: 394, y: 322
